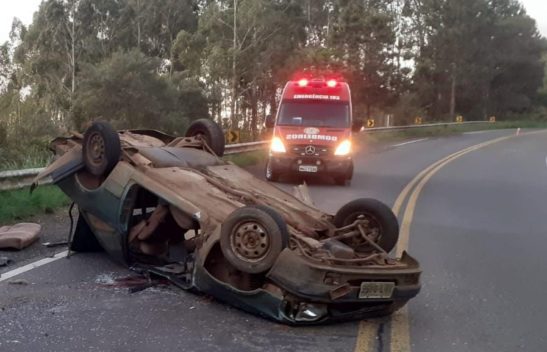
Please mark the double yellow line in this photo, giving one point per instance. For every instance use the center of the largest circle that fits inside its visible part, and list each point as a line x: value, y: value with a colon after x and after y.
x: 400, y: 329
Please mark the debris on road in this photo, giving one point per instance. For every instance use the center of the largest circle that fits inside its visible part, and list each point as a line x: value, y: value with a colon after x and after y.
x: 21, y: 282
x: 302, y: 193
x: 5, y: 261
x: 55, y: 244
x: 134, y: 283
x: 19, y: 236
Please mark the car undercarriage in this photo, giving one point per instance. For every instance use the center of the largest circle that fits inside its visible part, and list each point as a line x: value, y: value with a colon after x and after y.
x: 171, y: 207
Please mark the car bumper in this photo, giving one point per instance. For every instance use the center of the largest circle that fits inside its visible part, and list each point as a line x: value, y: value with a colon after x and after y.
x: 332, y: 166
x: 341, y: 284
x: 308, y: 300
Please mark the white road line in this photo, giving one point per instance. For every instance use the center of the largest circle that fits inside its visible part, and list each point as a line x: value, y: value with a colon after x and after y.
x: 410, y: 142
x: 546, y: 161
x: 477, y: 132
x: 28, y: 267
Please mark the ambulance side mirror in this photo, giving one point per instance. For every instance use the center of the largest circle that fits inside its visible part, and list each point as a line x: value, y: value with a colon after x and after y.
x: 356, y: 126
x: 270, y: 122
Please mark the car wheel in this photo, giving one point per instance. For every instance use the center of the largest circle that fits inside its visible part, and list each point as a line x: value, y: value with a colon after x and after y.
x: 271, y: 174
x: 101, y: 148
x: 382, y: 223
x: 210, y: 132
x: 251, y: 239
x: 342, y: 180
x: 345, y: 179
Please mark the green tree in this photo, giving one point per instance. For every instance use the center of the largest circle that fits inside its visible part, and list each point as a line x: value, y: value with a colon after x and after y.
x: 126, y: 90
x: 478, y: 57
x: 239, y: 51
x: 362, y: 38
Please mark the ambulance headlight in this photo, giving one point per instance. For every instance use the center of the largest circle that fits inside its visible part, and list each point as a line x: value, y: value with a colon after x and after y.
x: 343, y: 148
x: 277, y: 146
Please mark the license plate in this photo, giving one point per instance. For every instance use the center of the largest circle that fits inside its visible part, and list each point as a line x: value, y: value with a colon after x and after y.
x: 376, y: 289
x: 307, y: 168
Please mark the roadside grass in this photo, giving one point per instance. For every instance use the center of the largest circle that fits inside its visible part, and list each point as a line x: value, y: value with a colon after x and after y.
x: 28, y: 162
x: 247, y: 159
x: 444, y: 131
x: 21, y: 157
x: 19, y: 204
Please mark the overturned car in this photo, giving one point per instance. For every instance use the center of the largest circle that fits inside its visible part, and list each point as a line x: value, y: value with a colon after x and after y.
x: 169, y: 206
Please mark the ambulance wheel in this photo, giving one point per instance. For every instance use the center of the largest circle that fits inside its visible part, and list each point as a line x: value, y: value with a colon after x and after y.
x: 343, y: 180
x: 271, y: 173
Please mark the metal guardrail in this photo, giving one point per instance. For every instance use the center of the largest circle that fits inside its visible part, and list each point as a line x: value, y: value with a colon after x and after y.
x: 244, y: 147
x: 410, y: 127
x: 23, y: 178
x: 16, y: 179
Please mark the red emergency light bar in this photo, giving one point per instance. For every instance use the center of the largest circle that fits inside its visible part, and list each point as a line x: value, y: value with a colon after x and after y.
x: 303, y: 82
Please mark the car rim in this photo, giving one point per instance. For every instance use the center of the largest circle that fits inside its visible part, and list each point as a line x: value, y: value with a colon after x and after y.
x: 371, y: 226
x: 250, y: 241
x: 96, y: 149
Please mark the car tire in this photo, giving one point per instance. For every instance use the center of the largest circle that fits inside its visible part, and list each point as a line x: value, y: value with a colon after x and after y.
x: 211, y: 133
x: 271, y: 174
x: 251, y: 239
x: 380, y: 216
x: 342, y: 180
x: 101, y: 148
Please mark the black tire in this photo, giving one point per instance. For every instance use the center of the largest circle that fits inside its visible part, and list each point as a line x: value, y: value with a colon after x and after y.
x: 271, y: 174
x: 210, y: 132
x: 375, y: 211
x: 251, y: 239
x: 345, y: 179
x: 342, y: 180
x: 101, y: 148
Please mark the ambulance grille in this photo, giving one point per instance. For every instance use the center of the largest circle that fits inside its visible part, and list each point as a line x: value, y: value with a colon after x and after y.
x: 320, y: 150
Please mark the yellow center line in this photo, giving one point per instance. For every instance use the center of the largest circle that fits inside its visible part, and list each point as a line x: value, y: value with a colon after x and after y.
x: 366, y: 336
x: 400, y: 330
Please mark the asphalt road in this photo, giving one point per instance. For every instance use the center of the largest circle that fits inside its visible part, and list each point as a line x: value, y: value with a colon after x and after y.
x: 478, y: 229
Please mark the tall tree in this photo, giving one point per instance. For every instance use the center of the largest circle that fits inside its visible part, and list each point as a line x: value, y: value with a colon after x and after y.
x: 479, y: 57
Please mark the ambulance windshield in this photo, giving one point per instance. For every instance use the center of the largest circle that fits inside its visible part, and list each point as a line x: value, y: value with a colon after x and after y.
x: 314, y: 113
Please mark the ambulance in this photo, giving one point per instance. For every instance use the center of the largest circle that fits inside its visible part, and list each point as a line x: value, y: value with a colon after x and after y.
x: 312, y: 130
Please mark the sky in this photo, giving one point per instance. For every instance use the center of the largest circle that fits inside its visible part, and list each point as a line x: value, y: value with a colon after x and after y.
x: 24, y: 9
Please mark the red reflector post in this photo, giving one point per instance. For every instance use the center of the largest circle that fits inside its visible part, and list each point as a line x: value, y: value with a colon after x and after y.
x: 303, y: 82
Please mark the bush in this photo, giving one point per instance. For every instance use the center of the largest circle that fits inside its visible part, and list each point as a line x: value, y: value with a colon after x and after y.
x: 22, y: 156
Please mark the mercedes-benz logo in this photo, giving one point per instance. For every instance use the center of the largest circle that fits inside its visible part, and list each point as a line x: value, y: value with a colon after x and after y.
x: 310, y: 150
